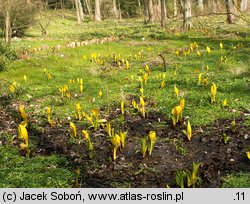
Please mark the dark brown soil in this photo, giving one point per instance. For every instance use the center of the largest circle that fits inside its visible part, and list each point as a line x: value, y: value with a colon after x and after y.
x: 158, y: 170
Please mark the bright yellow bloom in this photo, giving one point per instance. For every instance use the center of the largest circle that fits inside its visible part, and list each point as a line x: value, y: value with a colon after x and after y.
x: 213, y: 93
x: 72, y: 130
x: 176, y: 91
x: 134, y: 104
x: 224, y: 103
x: 78, y: 113
x: 162, y: 84
x: 116, y: 142
x: 199, y: 78
x: 142, y: 107
x: 100, y: 93
x: 207, y: 67
x: 49, y: 116
x: 146, y: 77
x: 127, y: 64
x: 189, y: 131
x: 182, y: 103
x: 248, y: 154
x: 95, y: 112
x: 198, y: 53
x: 85, y: 134
x: 152, y: 140
x: 221, y: 45
x: 123, y: 136
x: 23, y: 113
x: 23, y: 133
x: 122, y: 107
x: 208, y: 50
x: 25, y: 78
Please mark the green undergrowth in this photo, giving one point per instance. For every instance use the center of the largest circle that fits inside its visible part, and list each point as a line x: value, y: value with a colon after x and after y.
x: 38, y: 172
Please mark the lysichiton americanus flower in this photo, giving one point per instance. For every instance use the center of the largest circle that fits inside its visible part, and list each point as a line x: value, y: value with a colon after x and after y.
x: 23, y: 113
x: 176, y: 91
x: 213, y: 93
x: 116, y: 142
x: 152, y: 141
x: 189, y: 131
x: 72, y: 130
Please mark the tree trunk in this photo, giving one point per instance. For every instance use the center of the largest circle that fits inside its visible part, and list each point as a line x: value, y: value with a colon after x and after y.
x: 146, y: 13
x: 89, y: 9
x: 230, y: 11
x: 163, y: 13
x: 187, y: 21
x: 79, y: 11
x: 175, y: 8
x: 7, y: 36
x: 200, y: 6
x: 150, y: 11
x: 244, y: 5
x: 115, y: 11
x: 97, y: 11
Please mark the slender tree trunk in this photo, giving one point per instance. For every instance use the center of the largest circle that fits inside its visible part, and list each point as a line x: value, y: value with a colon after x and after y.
x: 79, y: 11
x: 187, y: 21
x: 97, y: 11
x: 165, y: 9
x: 230, y: 11
x: 163, y: 13
x: 115, y: 11
x: 244, y: 5
x: 200, y: 6
x: 146, y: 13
x: 150, y: 10
x: 7, y: 37
x: 175, y: 8
x: 89, y: 9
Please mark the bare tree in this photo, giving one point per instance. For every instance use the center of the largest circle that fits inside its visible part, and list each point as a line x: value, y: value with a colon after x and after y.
x: 175, y: 8
x: 79, y: 11
x: 230, y: 11
x: 200, y: 5
x: 115, y: 10
x: 187, y: 17
x: 244, y: 5
x: 97, y: 11
x: 163, y: 13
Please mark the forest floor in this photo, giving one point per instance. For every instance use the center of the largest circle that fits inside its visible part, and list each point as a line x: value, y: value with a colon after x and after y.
x: 118, y: 62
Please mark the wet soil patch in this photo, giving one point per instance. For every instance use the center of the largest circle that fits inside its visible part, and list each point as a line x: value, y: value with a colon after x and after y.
x: 172, y: 152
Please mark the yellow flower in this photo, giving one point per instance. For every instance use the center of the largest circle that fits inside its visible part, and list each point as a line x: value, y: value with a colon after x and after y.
x: 72, y: 130
x: 152, y: 140
x: 142, y: 107
x: 25, y: 78
x: 123, y: 136
x: 95, y: 112
x: 221, y: 45
x: 207, y: 67
x: 49, y: 116
x: 116, y: 142
x: 78, y: 111
x: 100, y: 93
x: 213, y: 93
x: 146, y: 77
x: 199, y: 78
x: 198, y: 53
x: 23, y: 133
x: 162, y: 84
x: 248, y: 154
x: 122, y: 107
x: 182, y: 103
x: 134, y: 104
x: 176, y: 91
x: 208, y: 50
x: 127, y: 64
x: 23, y: 113
x: 189, y: 131
x: 85, y: 134
x: 224, y: 103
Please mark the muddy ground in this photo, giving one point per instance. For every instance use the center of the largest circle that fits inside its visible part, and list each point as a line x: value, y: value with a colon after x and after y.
x: 172, y: 150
